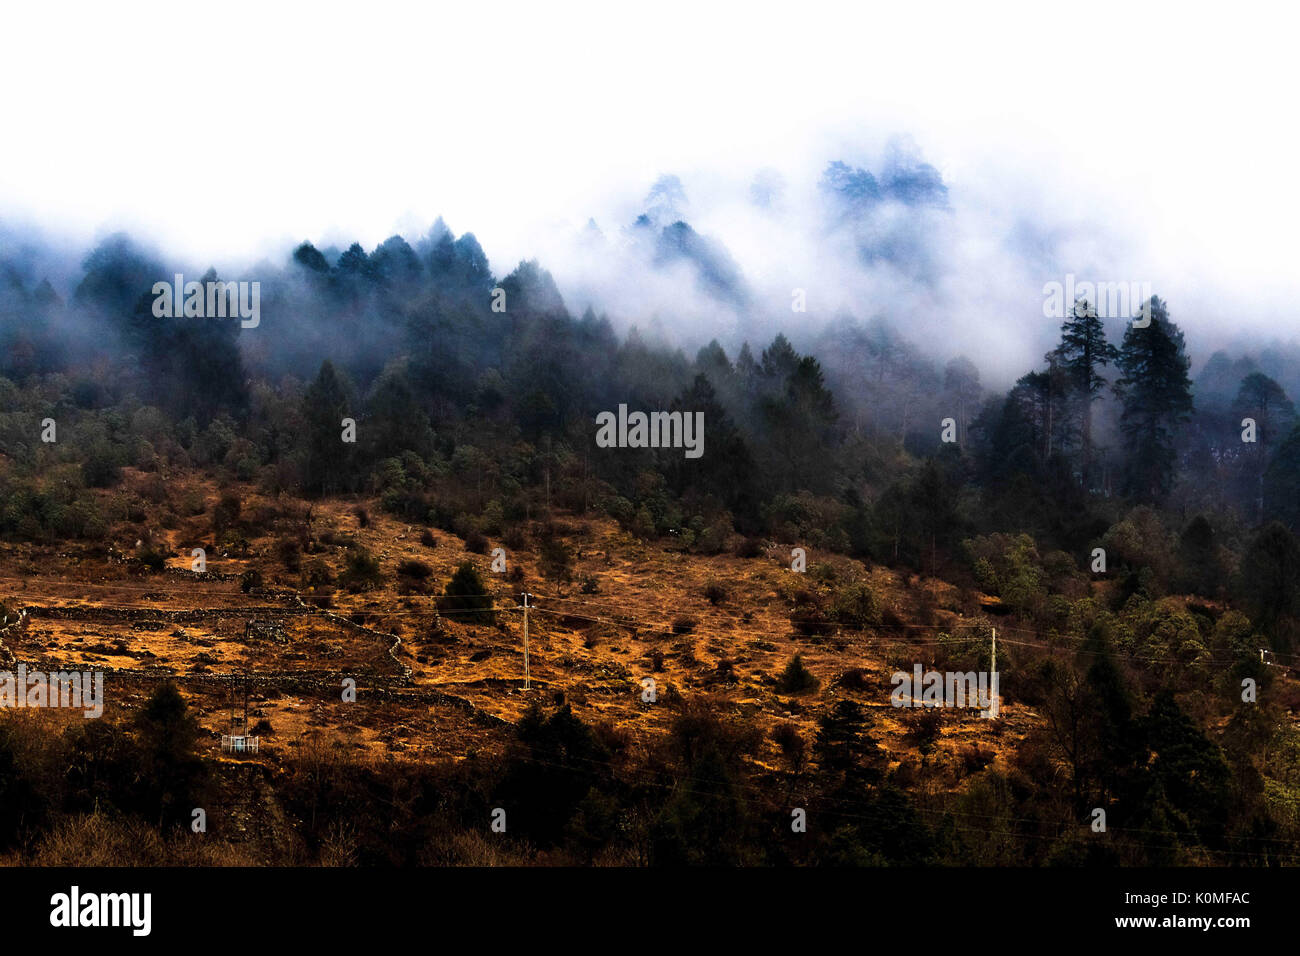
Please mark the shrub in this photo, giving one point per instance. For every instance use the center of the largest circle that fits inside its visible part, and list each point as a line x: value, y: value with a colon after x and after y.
x: 101, y: 468
x: 413, y: 568
x: 796, y: 679
x: 226, y: 513
x: 290, y: 554
x: 476, y: 543
x: 806, y: 617
x: 713, y: 538
x: 152, y: 557
x: 555, y: 560
x: 786, y: 736
x: 317, y: 573
x: 362, y: 570
x: 514, y: 538
x: 465, y: 595
x: 855, y: 607
x: 924, y: 728
x: 855, y: 678
x: 413, y: 574
x: 975, y: 758
x: 684, y: 624
x: 715, y: 592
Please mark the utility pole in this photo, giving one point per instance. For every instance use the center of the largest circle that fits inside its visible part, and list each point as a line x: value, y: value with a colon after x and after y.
x: 527, y: 684
x: 992, y: 712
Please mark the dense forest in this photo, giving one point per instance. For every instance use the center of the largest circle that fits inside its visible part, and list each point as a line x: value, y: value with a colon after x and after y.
x: 475, y: 399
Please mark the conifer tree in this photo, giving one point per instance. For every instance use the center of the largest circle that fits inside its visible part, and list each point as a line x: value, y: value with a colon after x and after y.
x: 1156, y: 393
x: 1082, y: 354
x: 328, y: 458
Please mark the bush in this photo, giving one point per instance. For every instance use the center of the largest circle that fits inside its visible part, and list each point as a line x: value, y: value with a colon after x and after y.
x: 427, y: 539
x: 153, y: 557
x: 855, y: 607
x: 786, y: 736
x: 924, y: 728
x: 684, y: 624
x: 589, y: 584
x: 555, y: 560
x: 715, y: 592
x: 101, y: 468
x: 362, y: 570
x: 413, y: 568
x: 412, y: 575
x: 465, y: 595
x: 316, y: 574
x: 226, y: 513
x: 796, y: 679
x: 855, y: 678
x: 975, y: 758
x: 250, y: 579
x: 806, y: 617
x: 476, y: 543
x: 290, y: 554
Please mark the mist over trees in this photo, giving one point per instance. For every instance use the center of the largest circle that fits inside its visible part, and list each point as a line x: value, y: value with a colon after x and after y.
x: 472, y: 402
x: 470, y: 391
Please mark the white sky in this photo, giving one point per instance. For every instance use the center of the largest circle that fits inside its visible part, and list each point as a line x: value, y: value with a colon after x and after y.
x: 232, y: 130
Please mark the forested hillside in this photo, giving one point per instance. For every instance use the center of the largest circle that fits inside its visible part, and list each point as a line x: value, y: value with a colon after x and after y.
x: 1127, y: 513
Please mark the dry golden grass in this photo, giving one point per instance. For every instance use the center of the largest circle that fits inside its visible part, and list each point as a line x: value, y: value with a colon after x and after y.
x: 594, y: 649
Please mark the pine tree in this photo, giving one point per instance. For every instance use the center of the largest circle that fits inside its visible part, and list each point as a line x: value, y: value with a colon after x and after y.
x: 847, y: 754
x: 328, y: 459
x: 961, y: 385
x: 1265, y: 401
x: 1282, y: 482
x: 467, y: 596
x: 1083, y: 352
x: 1156, y: 393
x: 1042, y: 399
x: 1269, y: 582
x: 173, y: 773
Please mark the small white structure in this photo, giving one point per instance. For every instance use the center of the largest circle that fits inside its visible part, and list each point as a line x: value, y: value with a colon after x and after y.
x: 239, y: 744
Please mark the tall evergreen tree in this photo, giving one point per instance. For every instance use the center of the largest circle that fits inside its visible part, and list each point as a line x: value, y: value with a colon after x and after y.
x: 961, y: 385
x: 1265, y: 402
x: 328, y: 458
x: 1083, y: 352
x: 1282, y: 482
x: 1156, y: 393
x: 1269, y: 582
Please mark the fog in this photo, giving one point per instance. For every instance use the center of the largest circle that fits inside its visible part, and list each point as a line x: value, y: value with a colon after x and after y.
x: 1133, y: 158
